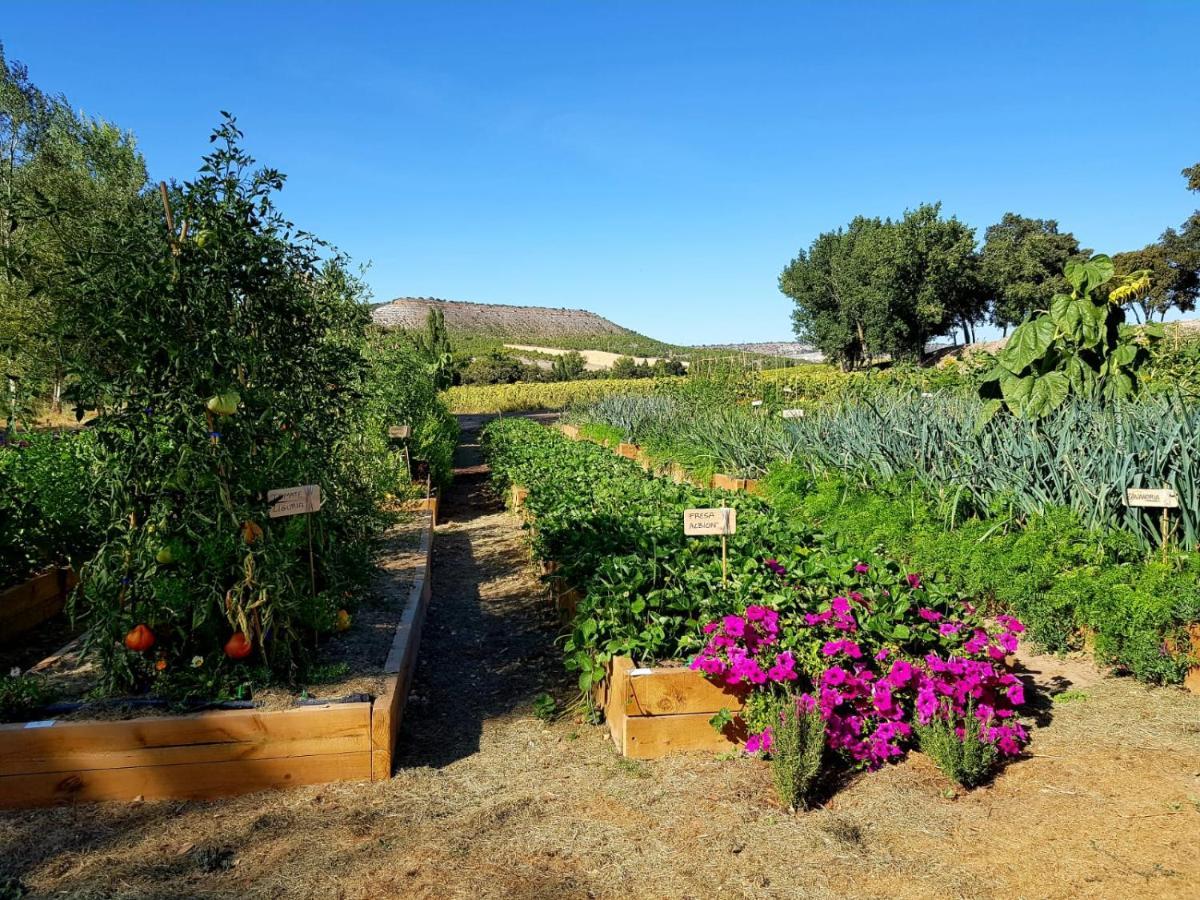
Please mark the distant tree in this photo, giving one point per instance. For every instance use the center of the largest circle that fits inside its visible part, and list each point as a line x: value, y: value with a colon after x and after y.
x: 668, y: 367
x: 1192, y: 174
x: 433, y: 345
x: 624, y: 367
x: 937, y: 286
x: 1022, y: 264
x: 840, y: 291
x: 567, y: 366
x: 1171, y: 285
x: 493, y: 368
x: 885, y: 287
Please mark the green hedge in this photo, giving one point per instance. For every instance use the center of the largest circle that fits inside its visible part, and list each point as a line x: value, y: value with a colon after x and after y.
x: 46, y: 518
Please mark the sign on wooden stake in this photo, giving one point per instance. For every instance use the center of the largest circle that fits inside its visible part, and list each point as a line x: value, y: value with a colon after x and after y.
x: 792, y: 413
x: 399, y: 431
x: 719, y: 521
x: 1156, y: 498
x: 722, y: 521
x: 294, y: 500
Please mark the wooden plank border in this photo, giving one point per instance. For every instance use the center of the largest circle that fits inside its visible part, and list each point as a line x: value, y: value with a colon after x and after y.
x: 652, y: 713
x: 388, y: 708
x: 28, y: 605
x: 222, y: 752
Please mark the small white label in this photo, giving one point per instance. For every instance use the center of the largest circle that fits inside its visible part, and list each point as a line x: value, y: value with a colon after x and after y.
x: 41, y: 723
x: 1158, y: 498
x: 756, y: 403
x: 721, y: 520
x: 294, y: 500
x: 399, y: 431
x: 792, y: 413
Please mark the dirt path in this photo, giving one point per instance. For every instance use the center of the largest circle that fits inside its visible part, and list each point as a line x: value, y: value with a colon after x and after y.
x: 488, y: 801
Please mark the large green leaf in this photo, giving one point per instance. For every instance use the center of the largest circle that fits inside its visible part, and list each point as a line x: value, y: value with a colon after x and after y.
x: 1094, y: 322
x: 1029, y: 342
x: 1016, y: 391
x: 1124, y: 355
x: 1047, y: 393
x: 1081, y: 377
x: 1064, y: 311
x: 987, y: 412
x: 1086, y: 276
x: 1117, y: 386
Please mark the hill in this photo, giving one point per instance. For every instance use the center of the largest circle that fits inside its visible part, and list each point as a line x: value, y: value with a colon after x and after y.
x: 481, y: 326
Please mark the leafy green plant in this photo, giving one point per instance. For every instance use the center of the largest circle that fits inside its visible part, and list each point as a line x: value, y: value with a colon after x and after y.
x: 46, y: 518
x: 19, y: 694
x: 225, y: 358
x: 545, y: 707
x: 966, y: 757
x: 1080, y: 347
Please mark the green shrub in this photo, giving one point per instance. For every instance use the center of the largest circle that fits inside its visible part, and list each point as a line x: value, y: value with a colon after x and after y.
x: 797, y: 748
x: 46, y: 518
x: 969, y: 759
x: 20, y: 694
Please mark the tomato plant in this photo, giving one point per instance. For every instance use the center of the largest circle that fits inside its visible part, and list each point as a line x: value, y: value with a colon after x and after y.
x: 227, y: 358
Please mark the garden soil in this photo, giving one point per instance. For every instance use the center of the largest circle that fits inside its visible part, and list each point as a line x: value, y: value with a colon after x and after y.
x: 489, y: 801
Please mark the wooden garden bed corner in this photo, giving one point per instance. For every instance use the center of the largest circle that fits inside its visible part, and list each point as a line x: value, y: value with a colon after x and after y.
x: 221, y: 752
x: 28, y: 605
x: 659, y: 712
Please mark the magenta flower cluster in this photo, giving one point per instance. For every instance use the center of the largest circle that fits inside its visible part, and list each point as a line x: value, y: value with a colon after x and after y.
x: 741, y: 650
x: 870, y: 702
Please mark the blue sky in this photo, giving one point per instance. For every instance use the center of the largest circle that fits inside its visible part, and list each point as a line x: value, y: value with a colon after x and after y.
x: 655, y: 162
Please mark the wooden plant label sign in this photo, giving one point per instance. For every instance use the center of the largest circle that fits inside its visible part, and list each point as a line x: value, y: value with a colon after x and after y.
x: 792, y: 413
x: 399, y: 431
x: 719, y: 521
x: 294, y: 500
x: 1158, y: 498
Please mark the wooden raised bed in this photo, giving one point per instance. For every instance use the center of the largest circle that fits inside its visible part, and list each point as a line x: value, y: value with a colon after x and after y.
x: 222, y: 752
x: 28, y: 605
x: 425, y: 504
x: 653, y: 713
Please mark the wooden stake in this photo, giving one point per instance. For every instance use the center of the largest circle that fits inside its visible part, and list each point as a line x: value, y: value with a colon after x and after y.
x: 724, y: 551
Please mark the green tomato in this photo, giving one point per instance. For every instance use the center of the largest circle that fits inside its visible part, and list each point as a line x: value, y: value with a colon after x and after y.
x: 165, y: 556
x: 224, y: 403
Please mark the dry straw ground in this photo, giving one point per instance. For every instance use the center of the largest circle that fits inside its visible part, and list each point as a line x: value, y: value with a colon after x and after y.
x: 490, y: 802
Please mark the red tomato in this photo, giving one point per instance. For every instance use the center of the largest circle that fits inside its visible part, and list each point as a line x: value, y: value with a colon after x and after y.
x: 238, y: 646
x: 140, y: 639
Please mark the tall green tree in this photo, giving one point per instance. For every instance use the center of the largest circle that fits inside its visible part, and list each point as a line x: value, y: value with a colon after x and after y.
x: 63, y: 178
x: 839, y: 286
x: 1172, y: 285
x: 938, y: 285
x: 433, y: 345
x: 883, y: 287
x: 568, y: 366
x: 1022, y: 264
